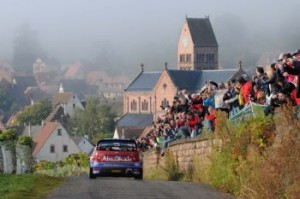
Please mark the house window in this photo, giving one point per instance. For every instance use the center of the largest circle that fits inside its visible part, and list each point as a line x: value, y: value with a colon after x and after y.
x: 144, y: 105
x: 188, y: 58
x: 200, y: 57
x: 52, y: 149
x: 59, y: 132
x: 210, y: 57
x: 65, y: 148
x: 133, y: 105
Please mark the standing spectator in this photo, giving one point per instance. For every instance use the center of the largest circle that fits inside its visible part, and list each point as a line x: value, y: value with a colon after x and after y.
x: 193, y: 122
x: 218, y: 94
x: 245, y: 89
x: 272, y: 77
x: 208, y: 100
x: 293, y: 67
x: 231, y: 98
x: 260, y: 79
x: 210, y: 119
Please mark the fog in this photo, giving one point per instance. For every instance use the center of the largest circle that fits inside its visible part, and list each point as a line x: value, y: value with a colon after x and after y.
x: 118, y: 35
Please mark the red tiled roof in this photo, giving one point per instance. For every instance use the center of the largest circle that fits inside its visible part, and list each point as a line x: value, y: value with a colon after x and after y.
x: 94, y: 76
x: 72, y: 70
x: 61, y: 98
x: 5, y: 75
x: 43, y: 135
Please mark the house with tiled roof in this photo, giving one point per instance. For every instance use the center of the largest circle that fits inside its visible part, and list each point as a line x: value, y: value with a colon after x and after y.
x: 58, y: 115
x: 68, y: 100
x: 34, y: 94
x: 84, y: 144
x: 5, y: 77
x: 131, y: 125
x: 197, y: 47
x: 53, y: 143
x: 79, y: 87
x: 109, y: 87
x: 75, y: 71
x: 19, y: 85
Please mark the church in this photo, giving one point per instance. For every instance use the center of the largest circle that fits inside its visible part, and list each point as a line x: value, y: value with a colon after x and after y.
x: 197, y: 52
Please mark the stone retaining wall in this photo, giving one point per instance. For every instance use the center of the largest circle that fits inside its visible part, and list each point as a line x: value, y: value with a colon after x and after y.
x: 184, y: 151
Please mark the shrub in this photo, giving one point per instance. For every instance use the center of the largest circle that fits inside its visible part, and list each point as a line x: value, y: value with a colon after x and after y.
x: 43, y: 165
x: 81, y: 159
x: 259, y: 157
x: 8, y: 134
x: 171, y: 167
x: 243, y: 147
x: 25, y: 140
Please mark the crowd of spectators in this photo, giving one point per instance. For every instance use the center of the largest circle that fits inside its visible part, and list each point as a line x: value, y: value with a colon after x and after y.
x: 192, y: 113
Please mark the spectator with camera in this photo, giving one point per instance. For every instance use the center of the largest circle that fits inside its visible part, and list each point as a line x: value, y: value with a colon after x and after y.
x: 280, y: 98
x: 292, y: 66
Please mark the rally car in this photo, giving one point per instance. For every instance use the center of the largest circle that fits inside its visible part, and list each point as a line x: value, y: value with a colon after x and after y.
x: 116, y: 157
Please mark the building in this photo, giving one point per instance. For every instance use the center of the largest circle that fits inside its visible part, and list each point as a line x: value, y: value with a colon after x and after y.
x: 68, y: 100
x: 150, y: 91
x: 53, y: 143
x: 84, y: 144
x: 148, y: 94
x: 197, y: 47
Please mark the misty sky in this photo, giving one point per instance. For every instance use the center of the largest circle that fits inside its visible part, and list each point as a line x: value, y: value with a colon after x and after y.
x: 124, y: 33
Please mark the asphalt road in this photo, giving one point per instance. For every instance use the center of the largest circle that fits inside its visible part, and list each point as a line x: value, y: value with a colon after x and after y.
x: 112, y: 188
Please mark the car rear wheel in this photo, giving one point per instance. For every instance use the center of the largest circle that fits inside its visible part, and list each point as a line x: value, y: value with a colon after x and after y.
x: 140, y: 176
x: 92, y: 176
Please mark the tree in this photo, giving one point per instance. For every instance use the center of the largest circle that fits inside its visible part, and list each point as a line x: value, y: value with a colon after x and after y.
x: 7, y: 102
x: 26, y: 49
x: 96, y: 121
x: 36, y: 113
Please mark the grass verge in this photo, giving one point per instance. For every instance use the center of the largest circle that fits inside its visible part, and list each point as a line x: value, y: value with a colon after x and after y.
x: 27, y: 186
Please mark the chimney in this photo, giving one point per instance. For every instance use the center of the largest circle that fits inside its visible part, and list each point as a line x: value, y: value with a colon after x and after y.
x: 123, y: 135
x: 166, y: 65
x: 42, y: 123
x: 240, y: 65
x: 142, y: 67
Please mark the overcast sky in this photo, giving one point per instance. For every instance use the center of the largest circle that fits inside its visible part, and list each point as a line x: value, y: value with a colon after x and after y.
x: 124, y: 33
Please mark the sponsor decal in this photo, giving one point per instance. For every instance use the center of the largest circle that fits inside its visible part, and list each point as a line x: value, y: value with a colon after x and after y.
x: 116, y: 158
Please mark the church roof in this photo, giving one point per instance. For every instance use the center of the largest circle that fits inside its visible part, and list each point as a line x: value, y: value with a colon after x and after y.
x: 145, y: 81
x: 135, y: 120
x: 195, y: 80
x: 202, y: 32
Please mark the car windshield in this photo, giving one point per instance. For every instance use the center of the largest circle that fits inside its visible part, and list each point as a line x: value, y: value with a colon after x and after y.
x: 117, y: 145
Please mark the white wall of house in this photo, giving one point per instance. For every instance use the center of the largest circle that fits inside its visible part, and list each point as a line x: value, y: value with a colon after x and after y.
x: 58, y: 141
x: 74, y: 102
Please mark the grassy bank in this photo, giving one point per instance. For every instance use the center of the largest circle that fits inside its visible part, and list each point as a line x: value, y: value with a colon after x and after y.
x: 27, y: 186
x: 259, y: 158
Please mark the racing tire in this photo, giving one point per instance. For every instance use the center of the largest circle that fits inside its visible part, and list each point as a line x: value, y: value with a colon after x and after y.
x: 92, y: 176
x: 140, y: 176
